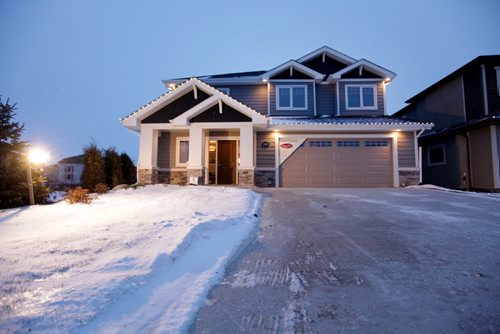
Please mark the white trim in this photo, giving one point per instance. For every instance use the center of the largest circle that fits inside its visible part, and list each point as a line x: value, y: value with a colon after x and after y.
x: 395, y: 161
x: 409, y: 169
x: 268, y: 98
x: 338, y: 98
x: 178, y: 152
x: 485, y: 88
x: 334, y: 54
x: 290, y: 87
x: 384, y: 90
x: 361, y: 80
x: 495, y: 159
x: 429, y: 155
x: 415, y: 143
x: 327, y: 135
x: 314, y: 98
x: 250, y: 80
x: 349, y: 127
x: 420, y: 164
x: 224, y: 90
x: 497, y: 70
x: 276, y: 161
x: 296, y: 66
x: 361, y: 107
x: 384, y: 73
x: 291, y: 80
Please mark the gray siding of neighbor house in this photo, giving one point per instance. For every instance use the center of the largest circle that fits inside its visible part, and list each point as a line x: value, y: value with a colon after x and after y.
x: 492, y: 89
x: 450, y: 174
x: 310, y: 99
x: 406, y: 149
x: 253, y: 96
x: 326, y: 99
x: 444, y: 106
x: 166, y: 148
x: 265, y: 156
x: 473, y: 93
x: 353, y: 112
x: 481, y: 158
x: 498, y: 149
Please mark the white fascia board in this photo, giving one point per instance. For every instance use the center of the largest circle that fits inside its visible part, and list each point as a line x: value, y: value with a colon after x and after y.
x: 254, y: 80
x: 386, y: 74
x: 347, y: 127
x: 297, y: 66
x: 331, y: 53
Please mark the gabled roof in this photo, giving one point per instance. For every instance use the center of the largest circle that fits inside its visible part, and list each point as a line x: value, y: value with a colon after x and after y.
x: 385, y: 73
x: 346, y: 120
x: 329, y: 52
x: 133, y: 120
x: 296, y: 66
x: 453, y: 75
x: 77, y: 159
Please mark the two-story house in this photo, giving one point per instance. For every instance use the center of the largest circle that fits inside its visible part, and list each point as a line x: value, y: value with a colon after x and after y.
x: 316, y: 121
x: 462, y: 150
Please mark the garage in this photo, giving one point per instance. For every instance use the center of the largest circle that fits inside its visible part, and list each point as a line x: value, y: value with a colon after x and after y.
x: 332, y: 162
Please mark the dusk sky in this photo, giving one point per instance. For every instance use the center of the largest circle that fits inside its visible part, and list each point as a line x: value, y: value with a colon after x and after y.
x: 75, y: 67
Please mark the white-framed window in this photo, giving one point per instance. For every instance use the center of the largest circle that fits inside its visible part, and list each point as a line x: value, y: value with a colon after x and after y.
x: 224, y: 90
x: 182, y: 151
x: 291, y: 97
x: 68, y: 169
x: 361, y: 96
x: 436, y: 155
x: 497, y: 69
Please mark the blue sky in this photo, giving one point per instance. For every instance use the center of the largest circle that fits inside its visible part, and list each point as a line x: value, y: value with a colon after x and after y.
x: 75, y: 67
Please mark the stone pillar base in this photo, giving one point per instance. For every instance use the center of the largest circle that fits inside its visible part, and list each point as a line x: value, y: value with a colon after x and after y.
x: 245, y: 177
x: 409, y: 178
x: 265, y: 178
x: 147, y: 176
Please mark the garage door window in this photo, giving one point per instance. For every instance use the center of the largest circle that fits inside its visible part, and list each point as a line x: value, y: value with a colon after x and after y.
x: 320, y: 143
x: 376, y: 143
x: 348, y: 143
x: 436, y: 155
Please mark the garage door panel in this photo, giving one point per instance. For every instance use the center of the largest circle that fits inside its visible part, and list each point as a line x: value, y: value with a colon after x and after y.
x: 339, y: 165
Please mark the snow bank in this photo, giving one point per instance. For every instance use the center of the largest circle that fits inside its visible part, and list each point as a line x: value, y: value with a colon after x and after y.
x: 494, y: 196
x: 135, y: 260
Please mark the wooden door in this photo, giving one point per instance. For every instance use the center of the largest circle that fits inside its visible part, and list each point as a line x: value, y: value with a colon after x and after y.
x: 226, y: 162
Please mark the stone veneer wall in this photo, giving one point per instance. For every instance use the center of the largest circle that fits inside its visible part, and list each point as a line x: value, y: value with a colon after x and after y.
x: 245, y: 177
x: 147, y: 176
x: 153, y: 176
x: 265, y: 178
x: 409, y: 178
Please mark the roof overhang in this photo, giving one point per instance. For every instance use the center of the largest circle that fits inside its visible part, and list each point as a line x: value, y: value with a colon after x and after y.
x: 293, y: 64
x: 348, y: 127
x: 253, y: 80
x: 384, y: 73
x: 325, y: 50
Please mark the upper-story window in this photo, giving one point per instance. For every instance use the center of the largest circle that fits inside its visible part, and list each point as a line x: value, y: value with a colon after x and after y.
x: 361, y: 96
x: 291, y: 97
x: 225, y: 90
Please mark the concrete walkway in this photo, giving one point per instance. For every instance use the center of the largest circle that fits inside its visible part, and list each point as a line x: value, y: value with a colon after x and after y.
x: 364, y: 260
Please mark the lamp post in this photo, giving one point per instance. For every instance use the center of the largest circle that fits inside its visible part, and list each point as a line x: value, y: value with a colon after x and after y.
x: 36, y: 157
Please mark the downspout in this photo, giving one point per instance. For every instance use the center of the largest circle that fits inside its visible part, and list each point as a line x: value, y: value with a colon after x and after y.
x: 467, y: 177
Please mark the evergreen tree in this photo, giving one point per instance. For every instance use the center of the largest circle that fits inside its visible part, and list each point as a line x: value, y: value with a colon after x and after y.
x: 112, y: 168
x: 129, y: 172
x: 13, y: 163
x: 93, y: 167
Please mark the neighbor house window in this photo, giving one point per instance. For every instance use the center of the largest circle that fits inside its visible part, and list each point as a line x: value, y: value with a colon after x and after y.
x: 436, y: 155
x: 182, y: 152
x: 497, y: 69
x: 361, y: 96
x: 291, y: 97
x: 225, y: 90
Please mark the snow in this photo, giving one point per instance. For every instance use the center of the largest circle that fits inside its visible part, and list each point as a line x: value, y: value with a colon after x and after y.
x: 138, y: 260
x: 493, y: 196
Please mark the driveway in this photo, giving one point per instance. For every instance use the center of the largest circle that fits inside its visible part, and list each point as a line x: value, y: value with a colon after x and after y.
x: 364, y: 260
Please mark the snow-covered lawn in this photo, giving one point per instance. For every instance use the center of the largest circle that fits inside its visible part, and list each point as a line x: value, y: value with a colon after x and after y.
x: 133, y: 261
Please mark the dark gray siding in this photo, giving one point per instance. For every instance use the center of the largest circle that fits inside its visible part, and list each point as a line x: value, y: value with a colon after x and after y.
x: 329, y: 66
x: 342, y: 99
x: 253, y: 96
x: 473, y: 93
x: 406, y: 149
x: 354, y: 74
x: 265, y: 156
x: 176, y: 107
x: 443, y: 106
x: 310, y: 99
x: 228, y: 114
x: 326, y: 101
x: 492, y: 88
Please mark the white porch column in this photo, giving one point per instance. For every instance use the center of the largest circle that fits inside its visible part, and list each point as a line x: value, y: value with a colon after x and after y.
x: 246, y: 148
x: 195, y: 148
x: 148, y: 149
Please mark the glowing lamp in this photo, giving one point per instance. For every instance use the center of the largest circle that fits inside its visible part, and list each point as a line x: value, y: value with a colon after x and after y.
x: 38, y: 157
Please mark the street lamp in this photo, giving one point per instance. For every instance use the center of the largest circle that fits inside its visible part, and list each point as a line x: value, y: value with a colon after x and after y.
x: 38, y: 157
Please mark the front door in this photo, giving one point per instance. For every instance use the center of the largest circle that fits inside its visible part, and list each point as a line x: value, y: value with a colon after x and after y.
x: 226, y: 161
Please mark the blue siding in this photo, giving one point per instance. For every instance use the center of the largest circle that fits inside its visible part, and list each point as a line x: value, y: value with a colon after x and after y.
x: 361, y: 112
x: 253, y: 96
x: 310, y: 99
x: 326, y: 101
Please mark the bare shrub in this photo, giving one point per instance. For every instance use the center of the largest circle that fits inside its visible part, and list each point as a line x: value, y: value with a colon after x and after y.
x: 79, y: 195
x: 101, y: 188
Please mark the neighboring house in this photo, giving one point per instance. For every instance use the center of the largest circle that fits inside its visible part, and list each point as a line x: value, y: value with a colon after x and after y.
x: 462, y: 151
x: 69, y: 170
x: 317, y: 121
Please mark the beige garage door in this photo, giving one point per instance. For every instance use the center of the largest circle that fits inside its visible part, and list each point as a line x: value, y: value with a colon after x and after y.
x: 339, y: 163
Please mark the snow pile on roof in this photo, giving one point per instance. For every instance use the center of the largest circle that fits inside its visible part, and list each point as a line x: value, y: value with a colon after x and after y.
x: 133, y: 261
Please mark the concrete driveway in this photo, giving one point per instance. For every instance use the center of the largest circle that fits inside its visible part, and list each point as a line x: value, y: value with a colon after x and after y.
x: 364, y: 260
